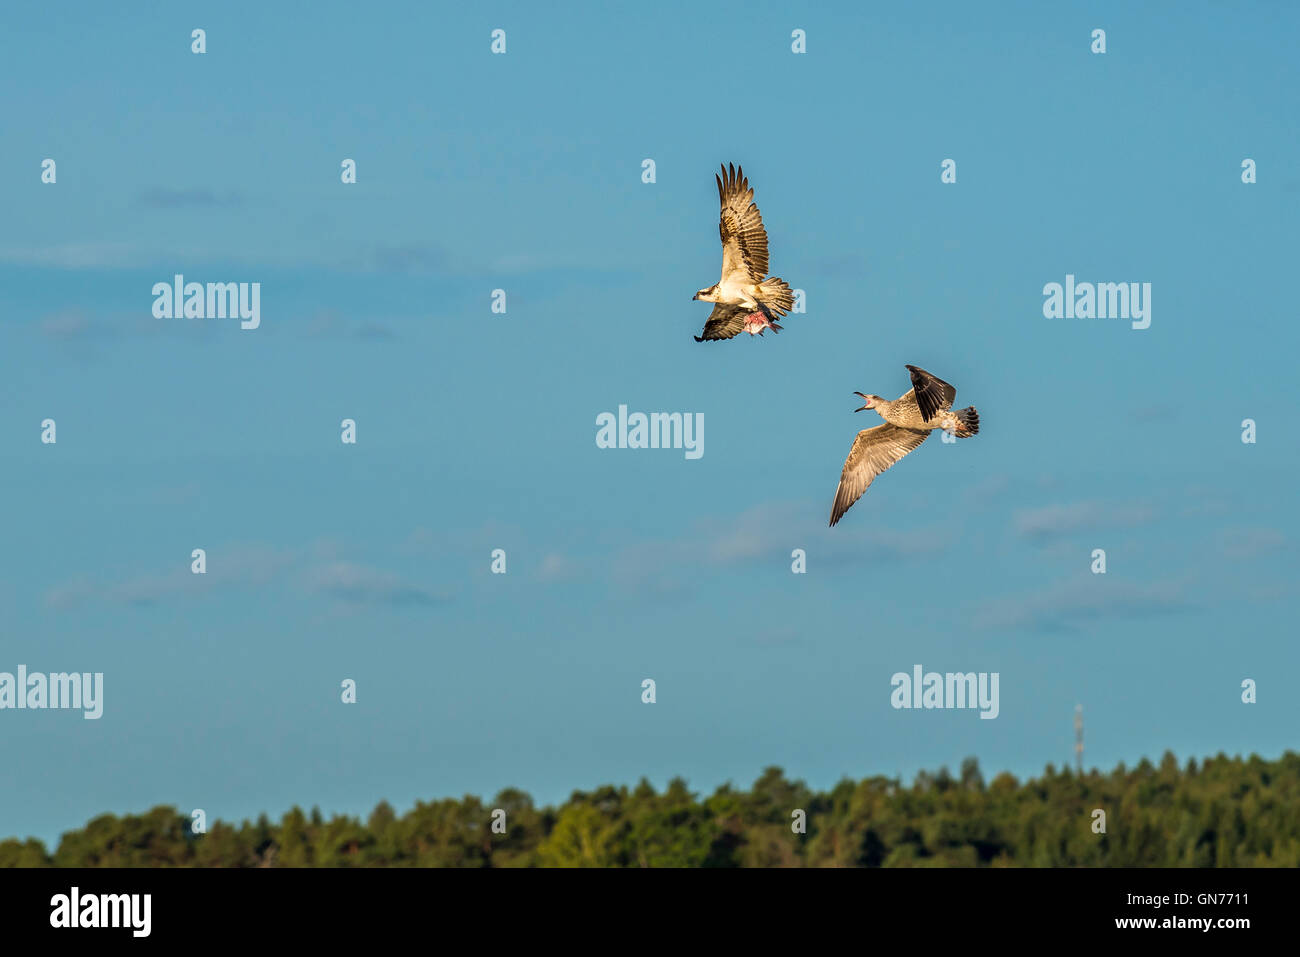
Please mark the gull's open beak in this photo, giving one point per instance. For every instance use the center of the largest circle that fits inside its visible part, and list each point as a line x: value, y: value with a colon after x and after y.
x: 864, y: 399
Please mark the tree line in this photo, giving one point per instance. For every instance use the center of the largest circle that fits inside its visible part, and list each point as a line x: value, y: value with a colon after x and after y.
x: 1223, y: 812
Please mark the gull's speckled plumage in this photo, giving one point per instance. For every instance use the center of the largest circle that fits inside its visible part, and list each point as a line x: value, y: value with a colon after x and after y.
x: 909, y: 420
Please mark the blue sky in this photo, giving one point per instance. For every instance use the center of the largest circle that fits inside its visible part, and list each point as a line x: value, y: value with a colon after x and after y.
x: 477, y: 431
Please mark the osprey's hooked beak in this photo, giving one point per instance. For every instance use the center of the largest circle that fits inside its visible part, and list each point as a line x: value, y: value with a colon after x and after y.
x: 695, y: 297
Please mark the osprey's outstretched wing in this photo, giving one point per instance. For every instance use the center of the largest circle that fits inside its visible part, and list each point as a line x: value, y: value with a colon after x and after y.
x: 744, y: 240
x: 723, y: 322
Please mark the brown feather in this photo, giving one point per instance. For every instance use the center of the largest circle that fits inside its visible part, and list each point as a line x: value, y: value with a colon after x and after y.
x: 740, y: 226
x: 873, y: 451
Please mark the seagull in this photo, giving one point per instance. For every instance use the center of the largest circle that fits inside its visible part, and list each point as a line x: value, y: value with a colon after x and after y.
x: 746, y: 301
x: 909, y: 420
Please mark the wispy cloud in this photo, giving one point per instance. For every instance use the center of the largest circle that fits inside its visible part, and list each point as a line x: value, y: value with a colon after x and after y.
x: 331, y: 324
x: 1241, y: 541
x: 769, y: 533
x: 67, y: 326
x: 78, y: 329
x: 239, y: 565
x: 315, y: 569
x: 774, y: 529
x: 73, y: 255
x: 988, y: 489
x: 1047, y: 523
x: 360, y: 584
x: 556, y: 567
x: 420, y: 258
x: 1083, y: 600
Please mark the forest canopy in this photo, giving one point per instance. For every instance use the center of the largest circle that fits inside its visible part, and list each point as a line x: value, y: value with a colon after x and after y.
x: 1224, y: 812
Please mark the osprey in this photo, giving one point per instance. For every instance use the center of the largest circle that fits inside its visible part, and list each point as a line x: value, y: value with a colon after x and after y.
x: 909, y: 420
x: 746, y: 300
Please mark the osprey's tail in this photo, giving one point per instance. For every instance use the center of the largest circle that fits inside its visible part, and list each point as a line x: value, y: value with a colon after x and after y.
x: 776, y: 295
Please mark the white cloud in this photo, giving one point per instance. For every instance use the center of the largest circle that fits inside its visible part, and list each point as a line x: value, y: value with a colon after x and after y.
x: 1081, y: 600
x: 1052, y: 521
x: 315, y: 569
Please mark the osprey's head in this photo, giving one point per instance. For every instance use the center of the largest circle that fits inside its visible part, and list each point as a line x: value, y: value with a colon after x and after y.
x: 870, y: 400
x: 706, y: 295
